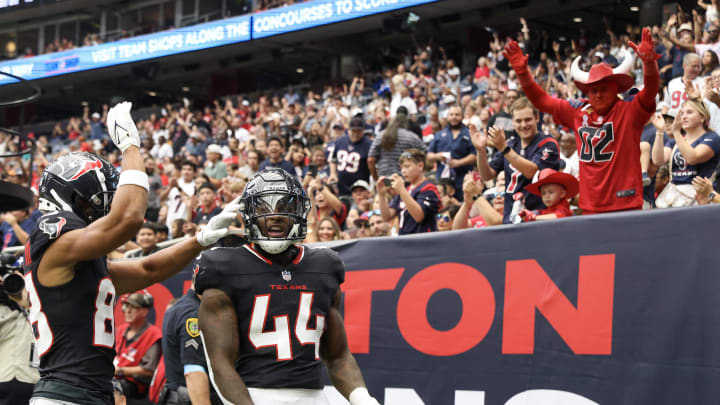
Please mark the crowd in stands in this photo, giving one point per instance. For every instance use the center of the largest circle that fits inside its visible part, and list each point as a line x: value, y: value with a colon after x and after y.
x: 422, y: 146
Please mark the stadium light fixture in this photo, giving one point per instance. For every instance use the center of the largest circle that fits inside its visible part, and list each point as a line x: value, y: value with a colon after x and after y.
x: 634, y: 8
x: 300, y: 70
x: 577, y: 19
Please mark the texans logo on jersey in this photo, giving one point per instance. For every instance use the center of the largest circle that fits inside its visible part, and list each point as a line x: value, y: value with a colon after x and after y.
x: 52, y: 226
x: 195, y: 272
x: 679, y: 161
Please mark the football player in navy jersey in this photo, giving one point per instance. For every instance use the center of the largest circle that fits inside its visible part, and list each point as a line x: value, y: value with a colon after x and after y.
x: 282, y: 302
x: 71, y: 287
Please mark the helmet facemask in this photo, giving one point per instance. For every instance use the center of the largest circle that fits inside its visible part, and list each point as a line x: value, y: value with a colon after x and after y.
x: 275, y: 213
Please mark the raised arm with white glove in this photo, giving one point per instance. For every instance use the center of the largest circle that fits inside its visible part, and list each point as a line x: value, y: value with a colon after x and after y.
x: 121, y: 126
x: 124, y: 135
x: 219, y: 226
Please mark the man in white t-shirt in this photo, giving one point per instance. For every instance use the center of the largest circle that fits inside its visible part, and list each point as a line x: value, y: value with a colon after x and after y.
x: 401, y: 97
x: 180, y: 189
x: 569, y: 154
x: 675, y: 91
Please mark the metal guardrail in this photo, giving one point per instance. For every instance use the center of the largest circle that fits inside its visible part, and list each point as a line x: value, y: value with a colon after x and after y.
x: 161, y: 245
x: 15, y: 250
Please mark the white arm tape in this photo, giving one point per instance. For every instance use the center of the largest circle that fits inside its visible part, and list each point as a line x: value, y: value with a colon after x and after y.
x: 136, y: 177
x: 359, y: 395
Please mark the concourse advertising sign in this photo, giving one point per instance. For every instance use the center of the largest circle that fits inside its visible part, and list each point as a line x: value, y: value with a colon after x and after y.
x: 200, y: 36
x: 604, y: 309
x: 320, y: 12
x: 143, y: 47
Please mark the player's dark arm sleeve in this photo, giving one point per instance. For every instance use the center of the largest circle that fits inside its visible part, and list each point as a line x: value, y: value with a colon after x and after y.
x: 335, y: 353
x: 221, y: 343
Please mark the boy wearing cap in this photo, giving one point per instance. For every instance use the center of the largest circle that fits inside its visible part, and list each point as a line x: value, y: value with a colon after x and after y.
x: 555, y: 188
x: 208, y: 207
x: 138, y: 346
x: 416, y: 204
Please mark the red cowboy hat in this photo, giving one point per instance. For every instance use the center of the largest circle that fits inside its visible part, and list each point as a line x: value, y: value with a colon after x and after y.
x: 603, y: 71
x: 551, y: 176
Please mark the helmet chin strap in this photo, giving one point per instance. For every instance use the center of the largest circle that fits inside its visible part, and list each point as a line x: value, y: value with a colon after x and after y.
x: 274, y: 247
x: 45, y: 206
x: 63, y: 205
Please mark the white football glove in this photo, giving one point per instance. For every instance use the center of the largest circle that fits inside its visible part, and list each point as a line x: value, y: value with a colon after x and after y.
x: 218, y: 226
x: 121, y: 126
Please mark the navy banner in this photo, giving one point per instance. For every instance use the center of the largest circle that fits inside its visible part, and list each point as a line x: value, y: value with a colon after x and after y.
x: 610, y: 309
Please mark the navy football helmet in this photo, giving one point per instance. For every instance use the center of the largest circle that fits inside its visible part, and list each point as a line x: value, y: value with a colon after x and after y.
x: 79, y: 182
x: 274, y: 192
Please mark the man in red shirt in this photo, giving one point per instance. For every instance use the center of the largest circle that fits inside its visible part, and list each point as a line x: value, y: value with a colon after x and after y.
x: 138, y: 347
x: 607, y: 129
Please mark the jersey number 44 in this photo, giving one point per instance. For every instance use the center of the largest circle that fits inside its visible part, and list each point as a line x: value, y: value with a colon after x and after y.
x: 280, y: 337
